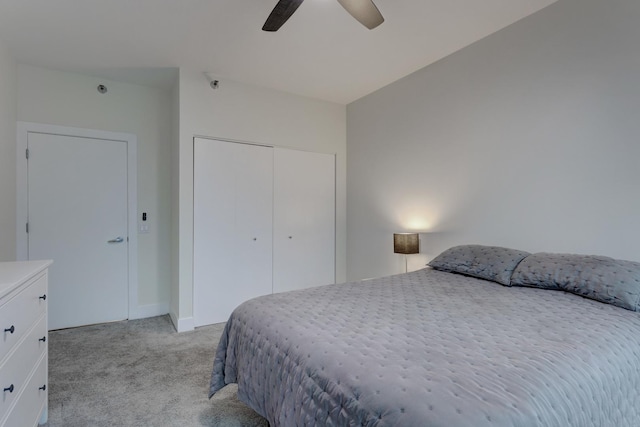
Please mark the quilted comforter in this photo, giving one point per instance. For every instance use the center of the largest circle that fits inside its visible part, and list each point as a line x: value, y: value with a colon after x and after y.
x: 431, y: 348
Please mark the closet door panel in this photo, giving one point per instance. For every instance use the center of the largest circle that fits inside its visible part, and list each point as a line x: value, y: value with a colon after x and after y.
x: 233, y: 193
x: 213, y: 205
x: 254, y: 222
x: 304, y: 220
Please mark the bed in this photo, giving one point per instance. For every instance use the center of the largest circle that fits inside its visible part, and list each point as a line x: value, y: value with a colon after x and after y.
x: 486, y: 336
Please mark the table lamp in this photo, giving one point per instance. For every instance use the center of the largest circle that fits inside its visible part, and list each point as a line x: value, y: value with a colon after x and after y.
x: 406, y: 244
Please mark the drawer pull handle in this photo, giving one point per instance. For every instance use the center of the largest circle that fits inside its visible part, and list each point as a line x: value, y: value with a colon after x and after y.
x: 43, y: 297
x: 43, y: 388
x: 9, y: 389
x: 43, y: 339
x: 11, y: 330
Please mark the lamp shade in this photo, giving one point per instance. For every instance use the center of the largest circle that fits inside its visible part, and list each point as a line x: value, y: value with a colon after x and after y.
x: 406, y: 243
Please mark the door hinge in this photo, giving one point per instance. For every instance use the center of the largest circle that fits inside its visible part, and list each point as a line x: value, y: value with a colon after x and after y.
x: 26, y: 153
x: 27, y: 228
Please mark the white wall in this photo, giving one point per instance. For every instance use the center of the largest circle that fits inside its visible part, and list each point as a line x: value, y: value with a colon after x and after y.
x: 528, y: 139
x: 8, y: 102
x: 246, y: 113
x: 67, y: 99
x: 175, y: 201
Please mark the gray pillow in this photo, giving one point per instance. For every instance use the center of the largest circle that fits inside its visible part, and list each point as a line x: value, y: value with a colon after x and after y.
x: 601, y: 278
x: 485, y: 262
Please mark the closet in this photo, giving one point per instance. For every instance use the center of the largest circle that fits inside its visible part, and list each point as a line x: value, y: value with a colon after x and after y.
x: 264, y: 222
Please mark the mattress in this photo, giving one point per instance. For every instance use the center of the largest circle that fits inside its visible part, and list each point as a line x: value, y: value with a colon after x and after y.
x: 431, y: 348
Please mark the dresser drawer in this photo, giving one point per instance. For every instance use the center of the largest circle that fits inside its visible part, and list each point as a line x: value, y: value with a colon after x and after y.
x: 27, y: 410
x: 14, y: 372
x: 20, y: 312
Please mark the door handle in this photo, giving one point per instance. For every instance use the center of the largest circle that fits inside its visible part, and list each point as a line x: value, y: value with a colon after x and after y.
x: 116, y: 240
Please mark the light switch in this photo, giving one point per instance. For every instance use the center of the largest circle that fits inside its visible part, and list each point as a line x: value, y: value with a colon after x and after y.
x: 143, y: 226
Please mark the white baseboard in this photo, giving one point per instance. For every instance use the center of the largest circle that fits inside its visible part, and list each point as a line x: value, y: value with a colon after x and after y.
x: 149, y: 310
x: 182, y: 325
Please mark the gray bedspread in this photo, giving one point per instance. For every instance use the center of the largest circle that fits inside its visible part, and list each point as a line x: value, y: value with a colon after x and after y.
x: 431, y: 348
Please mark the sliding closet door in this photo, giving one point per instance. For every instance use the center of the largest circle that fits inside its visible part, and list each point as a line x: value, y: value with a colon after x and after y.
x: 233, y: 222
x: 304, y: 220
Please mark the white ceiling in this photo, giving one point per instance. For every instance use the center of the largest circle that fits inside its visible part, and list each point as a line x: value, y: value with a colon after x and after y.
x: 321, y: 52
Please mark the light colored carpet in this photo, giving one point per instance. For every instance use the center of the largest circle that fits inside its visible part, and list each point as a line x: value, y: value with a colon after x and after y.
x: 139, y: 373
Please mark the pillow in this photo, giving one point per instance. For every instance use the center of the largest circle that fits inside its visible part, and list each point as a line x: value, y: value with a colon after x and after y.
x: 485, y: 262
x: 601, y: 278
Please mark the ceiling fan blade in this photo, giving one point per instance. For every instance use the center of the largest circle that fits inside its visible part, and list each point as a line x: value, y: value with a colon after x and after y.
x: 279, y: 15
x: 364, y: 11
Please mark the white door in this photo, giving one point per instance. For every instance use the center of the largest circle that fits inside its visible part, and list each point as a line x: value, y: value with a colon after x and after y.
x: 304, y: 220
x: 77, y: 213
x: 232, y: 227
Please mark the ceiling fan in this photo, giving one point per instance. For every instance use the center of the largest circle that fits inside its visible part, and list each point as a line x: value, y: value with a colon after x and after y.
x: 363, y: 10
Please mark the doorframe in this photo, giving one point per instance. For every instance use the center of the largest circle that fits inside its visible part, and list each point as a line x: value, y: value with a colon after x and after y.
x: 22, y: 209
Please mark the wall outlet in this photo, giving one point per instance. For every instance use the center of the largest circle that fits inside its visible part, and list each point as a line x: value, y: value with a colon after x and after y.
x: 143, y: 228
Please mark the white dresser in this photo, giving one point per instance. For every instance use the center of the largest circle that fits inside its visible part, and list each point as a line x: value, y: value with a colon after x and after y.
x: 23, y: 349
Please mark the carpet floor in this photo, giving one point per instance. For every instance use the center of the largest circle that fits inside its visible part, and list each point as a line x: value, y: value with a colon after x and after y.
x: 139, y: 373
